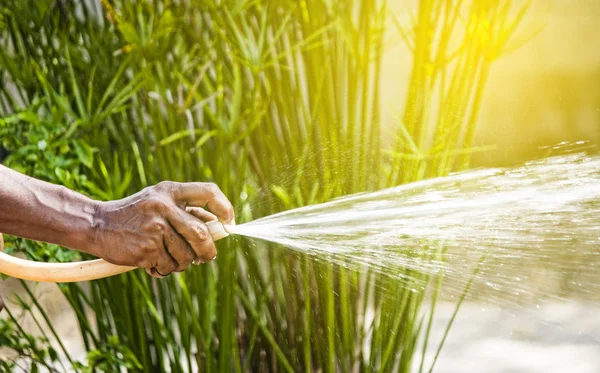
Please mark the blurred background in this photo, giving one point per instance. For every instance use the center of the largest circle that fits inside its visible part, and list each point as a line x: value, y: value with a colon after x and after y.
x: 541, y: 94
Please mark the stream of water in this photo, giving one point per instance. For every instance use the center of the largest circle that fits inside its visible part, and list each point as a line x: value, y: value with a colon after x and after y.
x: 518, y: 234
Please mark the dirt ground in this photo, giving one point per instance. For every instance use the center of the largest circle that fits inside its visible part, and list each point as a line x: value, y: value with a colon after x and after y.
x: 558, y: 337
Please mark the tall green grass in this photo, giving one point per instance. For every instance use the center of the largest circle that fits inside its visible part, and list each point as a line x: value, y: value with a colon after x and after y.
x: 279, y: 103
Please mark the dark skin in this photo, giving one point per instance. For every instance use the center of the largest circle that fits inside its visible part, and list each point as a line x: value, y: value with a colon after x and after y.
x: 160, y: 228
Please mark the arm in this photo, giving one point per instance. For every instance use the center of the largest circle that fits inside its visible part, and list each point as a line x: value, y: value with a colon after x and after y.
x: 150, y: 229
x: 41, y: 211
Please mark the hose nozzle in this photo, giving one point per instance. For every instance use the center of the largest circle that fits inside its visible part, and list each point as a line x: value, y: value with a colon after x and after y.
x: 217, y: 230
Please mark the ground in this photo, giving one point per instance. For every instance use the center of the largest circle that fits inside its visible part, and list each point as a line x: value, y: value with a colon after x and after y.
x: 557, y: 337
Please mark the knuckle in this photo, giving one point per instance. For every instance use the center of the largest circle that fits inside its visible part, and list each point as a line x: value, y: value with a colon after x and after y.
x: 148, y: 189
x: 165, y: 186
x: 157, y: 202
x: 203, y: 233
x: 212, y: 188
x: 146, y: 250
x: 157, y: 228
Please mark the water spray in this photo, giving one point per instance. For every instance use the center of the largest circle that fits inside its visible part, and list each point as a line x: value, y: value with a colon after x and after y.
x: 545, y: 212
x: 77, y: 271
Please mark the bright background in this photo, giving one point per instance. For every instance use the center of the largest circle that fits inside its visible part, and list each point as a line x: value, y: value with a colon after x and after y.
x: 541, y: 94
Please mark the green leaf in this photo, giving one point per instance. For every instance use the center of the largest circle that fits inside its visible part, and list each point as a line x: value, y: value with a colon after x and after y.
x: 85, y: 153
x: 53, y: 354
x: 283, y: 196
x: 75, y: 85
x: 207, y: 136
x: 177, y: 136
x: 130, y: 33
x: 62, y: 175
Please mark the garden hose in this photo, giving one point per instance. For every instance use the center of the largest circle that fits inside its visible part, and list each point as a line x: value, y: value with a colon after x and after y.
x: 75, y: 271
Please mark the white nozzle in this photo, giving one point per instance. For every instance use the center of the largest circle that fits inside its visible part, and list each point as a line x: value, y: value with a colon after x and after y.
x: 217, y: 230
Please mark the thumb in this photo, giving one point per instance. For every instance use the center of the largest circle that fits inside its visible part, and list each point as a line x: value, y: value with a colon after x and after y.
x: 201, y: 214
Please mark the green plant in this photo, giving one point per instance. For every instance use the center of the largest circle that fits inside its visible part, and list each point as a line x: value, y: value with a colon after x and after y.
x: 30, y: 353
x: 27, y: 348
x: 278, y: 103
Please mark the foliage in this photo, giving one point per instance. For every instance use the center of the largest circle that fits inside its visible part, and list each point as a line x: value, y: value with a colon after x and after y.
x: 25, y: 346
x: 31, y: 352
x: 110, y: 355
x: 278, y: 103
x: 45, y: 151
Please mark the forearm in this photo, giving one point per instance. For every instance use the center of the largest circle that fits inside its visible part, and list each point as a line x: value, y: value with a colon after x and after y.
x: 41, y: 211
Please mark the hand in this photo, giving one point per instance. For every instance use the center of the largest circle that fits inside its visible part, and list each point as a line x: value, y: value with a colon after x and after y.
x: 160, y: 228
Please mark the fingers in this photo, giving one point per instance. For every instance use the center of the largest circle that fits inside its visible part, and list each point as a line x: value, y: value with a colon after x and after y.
x: 178, y: 254
x: 186, y: 239
x: 206, y: 250
x: 205, y: 194
x: 195, y: 232
x: 165, y: 262
x: 201, y: 214
x: 180, y: 250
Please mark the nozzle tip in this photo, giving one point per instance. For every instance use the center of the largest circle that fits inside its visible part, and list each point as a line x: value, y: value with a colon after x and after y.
x: 217, y: 230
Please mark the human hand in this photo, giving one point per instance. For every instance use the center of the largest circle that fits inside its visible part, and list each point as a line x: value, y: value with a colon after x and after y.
x: 161, y: 228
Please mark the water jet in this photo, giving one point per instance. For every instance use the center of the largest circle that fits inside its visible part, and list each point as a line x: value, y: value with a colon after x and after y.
x: 515, y: 217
